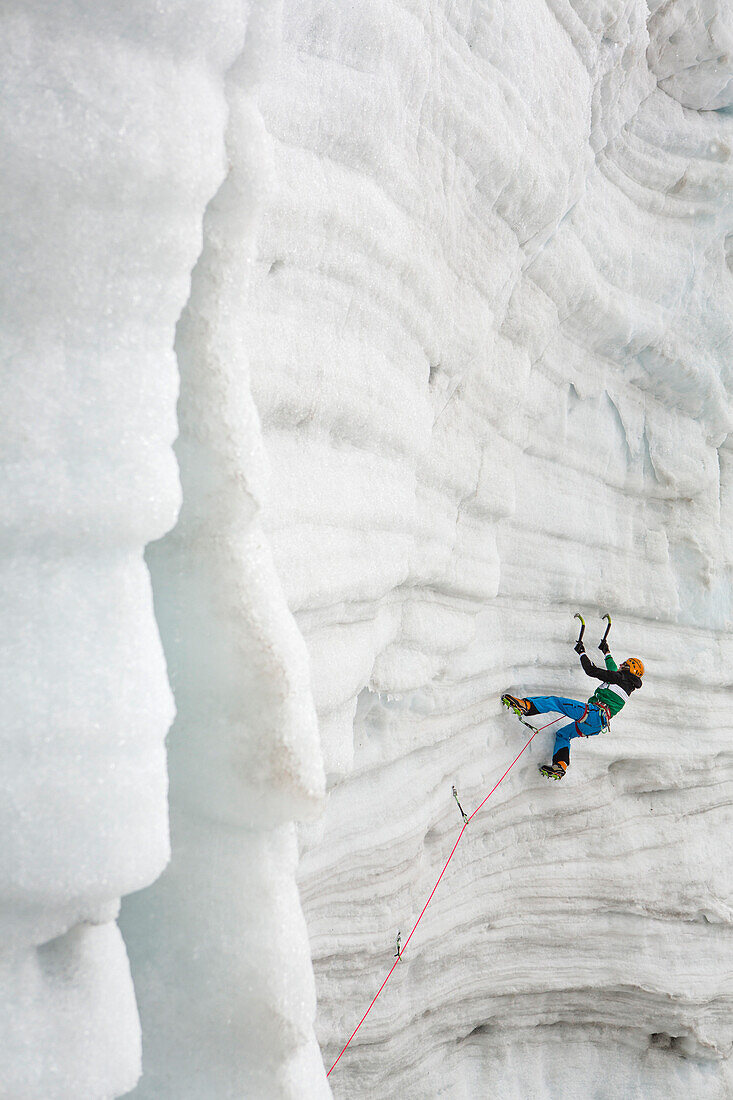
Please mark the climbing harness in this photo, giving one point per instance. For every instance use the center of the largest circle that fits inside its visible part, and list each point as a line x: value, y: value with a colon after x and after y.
x: 605, y: 713
x: 581, y: 719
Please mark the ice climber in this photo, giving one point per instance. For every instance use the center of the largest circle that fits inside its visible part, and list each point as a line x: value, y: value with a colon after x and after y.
x: 587, y: 719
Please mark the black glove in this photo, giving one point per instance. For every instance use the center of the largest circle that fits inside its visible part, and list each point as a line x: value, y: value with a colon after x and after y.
x: 603, y: 646
x: 579, y: 647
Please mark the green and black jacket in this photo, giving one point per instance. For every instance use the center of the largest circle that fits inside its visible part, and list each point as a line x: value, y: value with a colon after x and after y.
x: 617, y: 683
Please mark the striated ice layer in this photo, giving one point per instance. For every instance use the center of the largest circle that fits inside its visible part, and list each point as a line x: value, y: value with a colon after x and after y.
x: 112, y: 122
x: 489, y: 330
x: 453, y: 364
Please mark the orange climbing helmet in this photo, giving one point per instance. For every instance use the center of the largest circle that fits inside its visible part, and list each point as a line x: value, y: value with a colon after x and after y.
x: 634, y: 665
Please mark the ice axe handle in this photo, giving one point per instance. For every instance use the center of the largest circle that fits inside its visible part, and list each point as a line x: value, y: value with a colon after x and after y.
x: 602, y: 645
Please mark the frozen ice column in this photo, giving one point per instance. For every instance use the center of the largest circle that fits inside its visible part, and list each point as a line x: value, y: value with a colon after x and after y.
x: 112, y: 117
x: 218, y: 945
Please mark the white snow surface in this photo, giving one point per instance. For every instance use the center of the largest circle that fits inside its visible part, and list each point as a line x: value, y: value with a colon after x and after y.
x: 446, y: 287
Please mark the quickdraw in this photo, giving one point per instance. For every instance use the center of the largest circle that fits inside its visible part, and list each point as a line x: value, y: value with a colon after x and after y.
x: 464, y: 815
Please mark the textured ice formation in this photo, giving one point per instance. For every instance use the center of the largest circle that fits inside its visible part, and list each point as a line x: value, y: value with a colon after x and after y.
x: 454, y: 362
x: 490, y: 347
x: 112, y: 121
x: 219, y: 947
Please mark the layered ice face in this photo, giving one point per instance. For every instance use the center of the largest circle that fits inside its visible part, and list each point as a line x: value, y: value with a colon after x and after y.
x: 490, y: 344
x: 446, y: 291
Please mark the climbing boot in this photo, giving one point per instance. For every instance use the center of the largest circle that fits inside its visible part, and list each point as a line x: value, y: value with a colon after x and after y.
x: 522, y: 707
x: 553, y: 771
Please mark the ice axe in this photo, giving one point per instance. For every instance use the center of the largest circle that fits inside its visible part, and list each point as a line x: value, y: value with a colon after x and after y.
x: 603, y: 639
x: 582, y: 626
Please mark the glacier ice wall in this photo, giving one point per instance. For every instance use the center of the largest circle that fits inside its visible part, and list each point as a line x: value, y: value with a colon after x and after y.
x: 489, y: 350
x: 453, y: 362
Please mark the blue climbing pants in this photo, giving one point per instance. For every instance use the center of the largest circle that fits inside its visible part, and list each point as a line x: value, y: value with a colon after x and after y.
x: 592, y: 724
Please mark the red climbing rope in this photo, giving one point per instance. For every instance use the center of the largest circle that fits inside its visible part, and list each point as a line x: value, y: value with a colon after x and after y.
x: 427, y: 903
